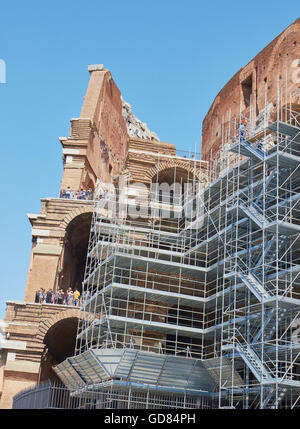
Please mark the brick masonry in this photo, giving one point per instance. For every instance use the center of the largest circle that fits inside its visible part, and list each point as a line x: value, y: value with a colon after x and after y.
x: 273, y: 62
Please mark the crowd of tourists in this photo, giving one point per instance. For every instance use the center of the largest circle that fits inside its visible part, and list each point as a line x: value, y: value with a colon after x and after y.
x: 104, y: 191
x: 69, y: 297
x: 82, y: 194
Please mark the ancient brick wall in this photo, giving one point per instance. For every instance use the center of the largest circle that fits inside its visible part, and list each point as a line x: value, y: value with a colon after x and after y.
x: 275, y: 63
x: 27, y: 326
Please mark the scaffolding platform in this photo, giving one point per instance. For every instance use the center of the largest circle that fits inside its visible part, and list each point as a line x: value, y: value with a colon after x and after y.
x: 221, y: 288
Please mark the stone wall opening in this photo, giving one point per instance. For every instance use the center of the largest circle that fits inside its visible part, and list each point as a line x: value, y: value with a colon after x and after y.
x: 59, y: 344
x: 75, y: 252
x: 172, y: 175
x: 247, y: 90
x: 178, y: 181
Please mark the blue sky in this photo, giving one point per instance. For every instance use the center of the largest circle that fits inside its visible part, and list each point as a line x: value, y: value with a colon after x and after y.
x: 169, y: 58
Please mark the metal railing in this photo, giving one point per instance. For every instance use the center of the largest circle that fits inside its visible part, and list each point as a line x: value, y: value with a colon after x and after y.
x: 46, y: 395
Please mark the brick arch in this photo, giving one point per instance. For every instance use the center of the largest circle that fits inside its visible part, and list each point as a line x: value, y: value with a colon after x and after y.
x: 73, y: 214
x: 45, y: 325
x: 171, y: 163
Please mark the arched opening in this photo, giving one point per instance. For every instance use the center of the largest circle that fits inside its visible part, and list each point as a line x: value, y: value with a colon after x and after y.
x: 75, y: 252
x: 173, y: 185
x: 59, y: 344
x: 173, y: 175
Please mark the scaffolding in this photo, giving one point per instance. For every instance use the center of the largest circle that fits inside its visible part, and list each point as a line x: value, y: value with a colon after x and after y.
x: 260, y: 291
x: 192, y: 295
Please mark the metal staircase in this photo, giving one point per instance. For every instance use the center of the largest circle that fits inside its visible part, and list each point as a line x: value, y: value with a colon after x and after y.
x: 255, y: 204
x: 254, y: 285
x: 269, y: 254
x: 255, y: 364
x: 251, y: 212
x: 271, y: 181
x: 267, y: 330
x: 271, y: 401
x: 251, y: 282
x: 250, y: 358
x: 249, y: 150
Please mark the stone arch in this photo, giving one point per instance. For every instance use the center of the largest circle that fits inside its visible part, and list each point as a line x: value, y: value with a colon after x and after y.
x: 45, y: 325
x: 75, y: 247
x: 91, y: 184
x: 73, y: 214
x: 69, y: 313
x: 159, y: 167
x: 58, y: 334
x: 171, y: 179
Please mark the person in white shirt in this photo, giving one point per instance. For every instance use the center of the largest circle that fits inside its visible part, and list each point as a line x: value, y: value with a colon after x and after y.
x: 242, y: 131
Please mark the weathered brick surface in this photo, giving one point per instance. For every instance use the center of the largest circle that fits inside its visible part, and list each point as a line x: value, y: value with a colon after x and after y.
x: 57, y: 215
x: 13, y: 384
x: 30, y: 323
x: 270, y: 64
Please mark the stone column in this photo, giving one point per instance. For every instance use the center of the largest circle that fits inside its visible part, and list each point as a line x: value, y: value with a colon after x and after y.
x: 43, y: 269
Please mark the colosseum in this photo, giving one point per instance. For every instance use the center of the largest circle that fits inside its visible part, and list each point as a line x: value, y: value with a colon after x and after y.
x: 161, y: 290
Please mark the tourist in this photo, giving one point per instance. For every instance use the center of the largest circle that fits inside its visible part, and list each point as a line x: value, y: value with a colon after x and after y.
x: 90, y: 194
x: 76, y: 297
x: 41, y: 296
x: 68, y: 192
x: 70, y: 298
x: 82, y: 194
x: 49, y: 296
x: 64, y: 296
x: 37, y: 295
x: 242, y: 131
x: 60, y: 297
